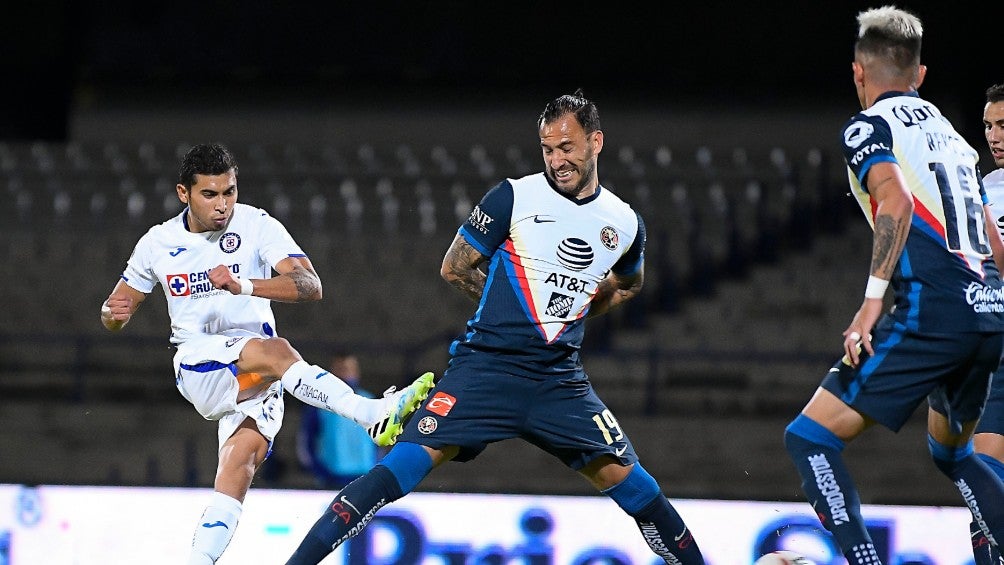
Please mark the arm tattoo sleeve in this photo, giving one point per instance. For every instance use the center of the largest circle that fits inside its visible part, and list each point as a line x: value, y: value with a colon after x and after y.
x: 307, y: 283
x: 613, y: 291
x: 460, y: 269
x: 889, y: 237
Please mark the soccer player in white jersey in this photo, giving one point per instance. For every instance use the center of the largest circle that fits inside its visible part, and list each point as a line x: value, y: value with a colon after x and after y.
x: 215, y: 262
x: 989, y: 437
x: 917, y: 182
x: 559, y: 248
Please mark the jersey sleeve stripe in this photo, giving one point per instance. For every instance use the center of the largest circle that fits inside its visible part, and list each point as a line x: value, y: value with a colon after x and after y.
x: 473, y: 242
x: 867, y: 165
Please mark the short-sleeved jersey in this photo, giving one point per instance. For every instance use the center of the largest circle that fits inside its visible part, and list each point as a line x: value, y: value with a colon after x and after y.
x: 251, y: 245
x: 547, y: 253
x: 993, y: 183
x: 946, y: 280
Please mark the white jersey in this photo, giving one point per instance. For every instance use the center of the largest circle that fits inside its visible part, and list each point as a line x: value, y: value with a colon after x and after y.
x: 251, y: 245
x: 945, y: 278
x: 994, y: 185
x: 547, y: 254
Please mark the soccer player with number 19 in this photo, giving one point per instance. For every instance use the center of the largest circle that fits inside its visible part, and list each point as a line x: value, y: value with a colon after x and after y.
x: 918, y: 184
x: 559, y: 247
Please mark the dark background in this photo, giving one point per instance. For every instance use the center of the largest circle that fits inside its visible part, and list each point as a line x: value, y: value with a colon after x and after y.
x: 58, y: 56
x: 122, y: 77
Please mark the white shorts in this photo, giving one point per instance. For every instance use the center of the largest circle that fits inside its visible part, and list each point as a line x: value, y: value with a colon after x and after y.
x: 206, y: 375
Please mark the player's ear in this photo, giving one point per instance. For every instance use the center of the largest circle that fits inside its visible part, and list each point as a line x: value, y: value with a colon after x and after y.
x: 182, y: 193
x: 921, y: 73
x: 859, y: 74
x: 597, y: 141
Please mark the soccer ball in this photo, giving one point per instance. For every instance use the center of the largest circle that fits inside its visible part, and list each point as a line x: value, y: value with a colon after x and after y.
x: 783, y: 558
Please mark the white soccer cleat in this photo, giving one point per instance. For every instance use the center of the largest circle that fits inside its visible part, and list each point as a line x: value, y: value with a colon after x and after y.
x: 401, y: 405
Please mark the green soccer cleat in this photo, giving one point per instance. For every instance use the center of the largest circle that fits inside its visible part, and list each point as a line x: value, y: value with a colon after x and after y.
x: 402, y: 404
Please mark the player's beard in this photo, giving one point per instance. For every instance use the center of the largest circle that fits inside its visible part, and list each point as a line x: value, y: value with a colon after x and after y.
x: 587, y: 172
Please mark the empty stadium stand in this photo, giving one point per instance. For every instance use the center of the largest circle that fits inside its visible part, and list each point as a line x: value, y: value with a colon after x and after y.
x: 751, y: 273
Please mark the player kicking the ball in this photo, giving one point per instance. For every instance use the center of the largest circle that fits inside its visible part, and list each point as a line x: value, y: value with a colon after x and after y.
x: 215, y: 262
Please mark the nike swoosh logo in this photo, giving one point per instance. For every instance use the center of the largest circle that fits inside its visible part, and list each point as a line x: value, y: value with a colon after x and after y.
x: 680, y: 537
x: 177, y: 251
x: 833, y: 370
x: 215, y: 525
x: 539, y: 220
x: 620, y: 451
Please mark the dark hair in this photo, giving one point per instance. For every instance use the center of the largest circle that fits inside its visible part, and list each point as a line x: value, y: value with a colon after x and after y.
x: 211, y: 159
x: 995, y: 93
x: 584, y: 110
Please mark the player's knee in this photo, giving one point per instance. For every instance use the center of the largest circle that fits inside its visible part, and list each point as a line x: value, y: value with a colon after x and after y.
x: 949, y: 459
x: 804, y: 434
x: 636, y: 491
x: 278, y: 354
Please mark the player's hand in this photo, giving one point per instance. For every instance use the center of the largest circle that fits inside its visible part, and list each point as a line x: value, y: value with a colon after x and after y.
x: 117, y: 308
x: 221, y: 277
x: 116, y: 311
x: 858, y: 335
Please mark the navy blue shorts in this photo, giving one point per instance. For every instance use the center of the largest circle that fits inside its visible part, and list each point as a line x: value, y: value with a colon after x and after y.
x: 951, y: 370
x: 992, y: 421
x: 472, y: 407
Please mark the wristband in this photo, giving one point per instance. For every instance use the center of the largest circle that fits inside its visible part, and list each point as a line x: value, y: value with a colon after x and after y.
x: 876, y: 287
x: 247, y: 287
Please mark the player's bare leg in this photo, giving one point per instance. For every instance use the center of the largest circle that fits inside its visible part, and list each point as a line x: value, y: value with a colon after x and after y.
x: 240, y: 457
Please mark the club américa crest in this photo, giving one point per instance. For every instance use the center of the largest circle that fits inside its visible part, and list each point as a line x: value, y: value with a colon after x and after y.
x: 608, y: 237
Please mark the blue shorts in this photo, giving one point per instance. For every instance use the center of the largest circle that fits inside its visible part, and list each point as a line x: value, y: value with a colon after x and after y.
x: 472, y: 407
x: 951, y: 370
x: 992, y: 421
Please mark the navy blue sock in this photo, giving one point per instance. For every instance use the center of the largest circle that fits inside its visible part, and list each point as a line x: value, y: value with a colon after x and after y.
x: 660, y: 524
x: 829, y: 488
x: 347, y: 514
x: 995, y: 465
x: 978, y: 483
x: 984, y: 553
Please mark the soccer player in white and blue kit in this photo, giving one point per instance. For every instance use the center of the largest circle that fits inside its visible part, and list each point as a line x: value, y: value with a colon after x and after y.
x: 917, y: 182
x: 989, y: 437
x: 215, y: 262
x: 560, y: 248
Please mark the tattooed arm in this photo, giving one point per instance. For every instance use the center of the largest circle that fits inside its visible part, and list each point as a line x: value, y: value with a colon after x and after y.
x: 893, y: 214
x: 615, y: 290
x: 296, y: 281
x: 460, y: 268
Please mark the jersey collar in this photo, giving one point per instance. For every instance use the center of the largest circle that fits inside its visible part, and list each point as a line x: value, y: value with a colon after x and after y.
x: 894, y: 93
x: 578, y: 202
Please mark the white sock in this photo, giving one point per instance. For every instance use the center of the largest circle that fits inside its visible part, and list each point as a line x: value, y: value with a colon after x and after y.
x: 214, y: 530
x: 321, y: 389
